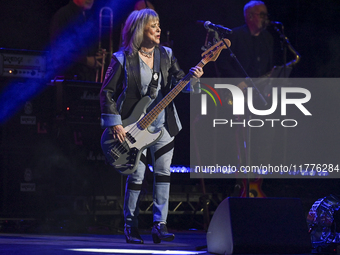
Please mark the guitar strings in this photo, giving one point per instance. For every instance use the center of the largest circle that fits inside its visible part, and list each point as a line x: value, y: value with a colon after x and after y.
x: 146, y: 120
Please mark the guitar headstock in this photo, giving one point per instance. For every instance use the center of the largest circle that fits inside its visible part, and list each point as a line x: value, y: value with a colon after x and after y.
x: 214, y: 51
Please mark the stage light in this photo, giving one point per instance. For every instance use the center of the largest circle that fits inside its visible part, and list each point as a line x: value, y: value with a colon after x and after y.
x: 175, y: 169
x: 136, y: 251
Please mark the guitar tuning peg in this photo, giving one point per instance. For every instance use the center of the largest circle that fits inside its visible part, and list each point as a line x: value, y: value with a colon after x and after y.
x: 203, y: 48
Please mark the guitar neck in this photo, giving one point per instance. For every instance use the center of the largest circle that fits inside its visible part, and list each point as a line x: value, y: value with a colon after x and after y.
x: 152, y: 115
x: 210, y: 54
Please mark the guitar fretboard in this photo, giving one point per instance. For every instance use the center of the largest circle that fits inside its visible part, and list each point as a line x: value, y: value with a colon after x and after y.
x: 152, y: 115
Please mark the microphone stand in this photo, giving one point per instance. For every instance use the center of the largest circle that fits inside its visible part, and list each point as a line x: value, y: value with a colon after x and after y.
x: 248, y: 116
x: 284, y: 44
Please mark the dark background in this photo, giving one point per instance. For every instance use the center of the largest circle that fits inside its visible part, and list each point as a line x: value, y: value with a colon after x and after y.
x: 311, y: 26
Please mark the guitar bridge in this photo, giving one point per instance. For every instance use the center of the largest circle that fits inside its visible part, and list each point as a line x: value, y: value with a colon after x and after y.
x: 113, y: 153
x: 117, y: 150
x: 125, y: 165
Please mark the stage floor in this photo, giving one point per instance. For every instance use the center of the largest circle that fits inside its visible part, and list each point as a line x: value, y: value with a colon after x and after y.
x: 19, y: 244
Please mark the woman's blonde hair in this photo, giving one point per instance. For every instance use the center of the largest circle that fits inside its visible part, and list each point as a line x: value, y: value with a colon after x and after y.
x: 132, y: 35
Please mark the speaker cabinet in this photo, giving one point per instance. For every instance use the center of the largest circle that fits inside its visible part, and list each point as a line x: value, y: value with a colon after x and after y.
x: 29, y: 121
x: 78, y: 101
x: 258, y: 225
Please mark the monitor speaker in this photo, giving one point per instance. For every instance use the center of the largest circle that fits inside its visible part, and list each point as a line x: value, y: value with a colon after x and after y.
x: 259, y: 225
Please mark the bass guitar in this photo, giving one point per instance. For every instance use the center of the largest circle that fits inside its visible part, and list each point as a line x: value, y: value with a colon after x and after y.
x: 124, y: 157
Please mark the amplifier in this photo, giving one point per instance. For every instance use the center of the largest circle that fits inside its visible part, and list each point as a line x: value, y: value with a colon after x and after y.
x: 78, y: 101
x: 22, y: 63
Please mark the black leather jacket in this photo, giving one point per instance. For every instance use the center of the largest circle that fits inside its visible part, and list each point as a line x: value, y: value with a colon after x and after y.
x: 121, y: 88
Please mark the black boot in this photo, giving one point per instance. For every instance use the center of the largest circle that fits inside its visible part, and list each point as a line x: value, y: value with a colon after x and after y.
x: 160, y: 232
x: 132, y: 235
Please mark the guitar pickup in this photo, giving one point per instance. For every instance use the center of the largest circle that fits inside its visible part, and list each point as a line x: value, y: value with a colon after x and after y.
x: 130, y: 138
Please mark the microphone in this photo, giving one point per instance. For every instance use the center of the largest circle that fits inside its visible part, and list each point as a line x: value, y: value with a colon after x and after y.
x: 217, y: 28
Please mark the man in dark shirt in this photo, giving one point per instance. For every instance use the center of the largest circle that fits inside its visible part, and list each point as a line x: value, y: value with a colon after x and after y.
x: 72, y: 44
x: 253, y: 46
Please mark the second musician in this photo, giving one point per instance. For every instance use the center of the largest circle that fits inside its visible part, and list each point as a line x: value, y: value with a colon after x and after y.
x: 142, y: 67
x: 253, y: 46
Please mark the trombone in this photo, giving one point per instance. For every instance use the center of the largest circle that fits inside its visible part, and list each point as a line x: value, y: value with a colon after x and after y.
x: 105, y: 13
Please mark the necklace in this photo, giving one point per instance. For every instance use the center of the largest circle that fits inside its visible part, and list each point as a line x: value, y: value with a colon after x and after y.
x: 147, y: 54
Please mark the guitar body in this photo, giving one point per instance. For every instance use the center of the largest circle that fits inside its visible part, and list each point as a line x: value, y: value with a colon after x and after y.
x: 255, y: 189
x: 124, y: 157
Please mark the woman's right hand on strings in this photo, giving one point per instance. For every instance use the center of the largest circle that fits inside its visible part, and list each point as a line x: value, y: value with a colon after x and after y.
x: 118, y: 133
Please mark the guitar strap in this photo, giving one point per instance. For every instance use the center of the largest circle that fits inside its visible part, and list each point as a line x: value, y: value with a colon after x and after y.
x: 152, y: 90
x: 161, y: 65
x: 169, y: 110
